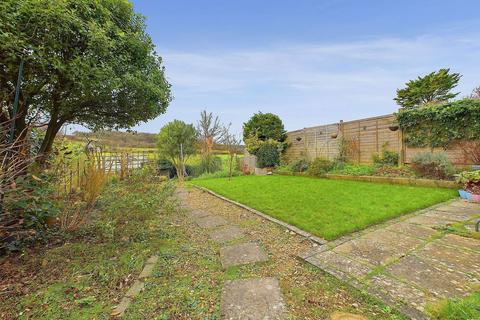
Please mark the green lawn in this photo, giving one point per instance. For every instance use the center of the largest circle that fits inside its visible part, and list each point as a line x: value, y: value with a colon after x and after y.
x: 326, y: 208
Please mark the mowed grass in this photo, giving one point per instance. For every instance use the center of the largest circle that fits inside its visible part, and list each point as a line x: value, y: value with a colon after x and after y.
x: 326, y: 208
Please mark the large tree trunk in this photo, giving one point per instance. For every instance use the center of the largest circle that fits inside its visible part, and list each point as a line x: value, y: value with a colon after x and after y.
x: 53, y: 127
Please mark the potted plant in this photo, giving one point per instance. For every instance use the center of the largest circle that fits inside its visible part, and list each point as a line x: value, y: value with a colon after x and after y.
x: 471, y: 185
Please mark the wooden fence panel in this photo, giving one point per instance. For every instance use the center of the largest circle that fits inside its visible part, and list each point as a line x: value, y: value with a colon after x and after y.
x: 368, y: 135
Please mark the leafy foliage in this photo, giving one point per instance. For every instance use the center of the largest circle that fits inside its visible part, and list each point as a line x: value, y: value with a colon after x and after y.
x: 387, y: 157
x: 432, y: 165
x: 209, y: 164
x: 470, y: 181
x: 441, y: 125
x: 355, y: 169
x: 434, y: 87
x: 89, y: 63
x: 176, y: 142
x: 300, y: 165
x: 262, y: 127
x: 268, y: 155
x: 319, y: 167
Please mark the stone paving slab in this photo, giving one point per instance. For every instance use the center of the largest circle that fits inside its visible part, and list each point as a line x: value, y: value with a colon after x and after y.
x: 438, y: 280
x: 461, y: 242
x: 430, y: 222
x: 452, y: 257
x: 471, y: 209
x: 226, y: 233
x: 379, y: 247
x: 449, y: 215
x: 252, y: 299
x: 399, y: 290
x: 198, y: 214
x: 209, y: 222
x: 419, y: 264
x: 242, y: 254
x: 412, y: 230
x: 342, y: 263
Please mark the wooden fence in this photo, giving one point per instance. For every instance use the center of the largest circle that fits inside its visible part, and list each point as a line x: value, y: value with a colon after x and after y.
x: 363, y: 138
x: 72, y: 174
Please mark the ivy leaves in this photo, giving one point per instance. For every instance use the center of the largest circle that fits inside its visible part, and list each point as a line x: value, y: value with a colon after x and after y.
x: 438, y: 126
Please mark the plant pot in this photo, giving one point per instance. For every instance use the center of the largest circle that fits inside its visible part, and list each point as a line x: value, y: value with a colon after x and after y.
x: 476, y: 198
x: 393, y: 128
x: 464, y: 194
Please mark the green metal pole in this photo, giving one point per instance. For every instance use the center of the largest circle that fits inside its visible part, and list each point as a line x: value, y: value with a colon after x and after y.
x: 15, y: 102
x: 12, y: 127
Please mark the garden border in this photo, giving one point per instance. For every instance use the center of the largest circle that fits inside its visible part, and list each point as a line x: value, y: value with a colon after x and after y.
x: 380, y: 179
x: 305, y: 234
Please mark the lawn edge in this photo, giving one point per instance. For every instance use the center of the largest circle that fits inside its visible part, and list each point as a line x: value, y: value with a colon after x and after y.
x: 294, y: 229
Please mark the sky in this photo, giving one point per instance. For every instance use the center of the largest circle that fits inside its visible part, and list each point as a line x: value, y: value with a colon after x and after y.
x: 310, y: 62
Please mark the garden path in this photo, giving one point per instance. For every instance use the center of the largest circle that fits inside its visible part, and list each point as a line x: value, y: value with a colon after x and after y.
x: 410, y: 261
x: 252, y: 298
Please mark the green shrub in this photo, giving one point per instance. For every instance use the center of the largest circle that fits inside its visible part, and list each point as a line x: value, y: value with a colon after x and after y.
x: 167, y: 166
x: 268, y: 155
x: 300, y: 165
x: 208, y: 164
x: 356, y: 170
x: 387, y: 158
x: 319, y: 167
x: 432, y: 165
x: 470, y: 181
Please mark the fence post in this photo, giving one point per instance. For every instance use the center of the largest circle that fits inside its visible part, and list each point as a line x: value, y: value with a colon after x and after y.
x: 402, y: 147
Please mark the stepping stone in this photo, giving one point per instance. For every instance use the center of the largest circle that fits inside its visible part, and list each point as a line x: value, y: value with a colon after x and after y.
x: 226, y: 233
x: 209, y: 222
x: 242, y: 254
x: 252, y: 299
x: 198, y: 214
x: 346, y: 316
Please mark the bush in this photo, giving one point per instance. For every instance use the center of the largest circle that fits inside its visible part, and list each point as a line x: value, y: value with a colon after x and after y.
x: 319, y: 167
x: 432, y: 165
x: 208, y: 164
x: 387, y: 158
x: 168, y: 167
x: 470, y: 181
x: 355, y: 169
x: 300, y: 165
x: 268, y: 155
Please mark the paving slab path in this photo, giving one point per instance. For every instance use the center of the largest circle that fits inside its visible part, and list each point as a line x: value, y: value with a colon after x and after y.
x: 408, y: 263
x: 242, y: 299
x: 242, y: 253
x: 252, y: 299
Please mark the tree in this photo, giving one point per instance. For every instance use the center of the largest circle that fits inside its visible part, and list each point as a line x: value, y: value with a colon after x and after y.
x: 434, y: 87
x: 475, y: 93
x: 209, y: 129
x: 176, y: 142
x: 233, y: 146
x: 262, y: 127
x: 86, y: 62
